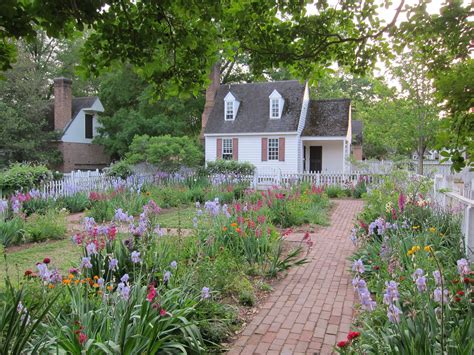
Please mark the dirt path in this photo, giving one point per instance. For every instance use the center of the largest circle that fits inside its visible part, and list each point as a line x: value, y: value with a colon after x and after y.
x: 311, y: 309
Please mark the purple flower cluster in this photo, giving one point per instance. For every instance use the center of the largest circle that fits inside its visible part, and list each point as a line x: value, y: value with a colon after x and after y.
x: 390, y: 296
x: 358, y: 266
x: 463, y: 267
x: 121, y: 216
x: 378, y: 226
x: 113, y: 264
x: 50, y: 276
x: 86, y: 263
x: 364, y: 295
x: 3, y: 206
x: 440, y: 295
x: 135, y: 256
x: 123, y: 288
x: 213, y: 207
x: 205, y: 293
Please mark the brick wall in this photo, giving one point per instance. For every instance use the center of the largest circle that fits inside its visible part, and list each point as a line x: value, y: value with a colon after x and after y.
x: 62, y: 103
x: 81, y: 156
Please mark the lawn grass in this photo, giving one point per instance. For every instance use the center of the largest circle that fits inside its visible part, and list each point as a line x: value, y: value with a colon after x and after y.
x: 172, y: 218
x: 63, y: 254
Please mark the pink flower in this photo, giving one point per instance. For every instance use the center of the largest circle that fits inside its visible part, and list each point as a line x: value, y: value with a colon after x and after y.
x: 82, y: 338
x: 163, y: 312
x: 151, y: 294
x: 401, y: 202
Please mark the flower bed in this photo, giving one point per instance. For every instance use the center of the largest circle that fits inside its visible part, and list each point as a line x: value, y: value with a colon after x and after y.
x: 413, y: 283
x: 142, y: 291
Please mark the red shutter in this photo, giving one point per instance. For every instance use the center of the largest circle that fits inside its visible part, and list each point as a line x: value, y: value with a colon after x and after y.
x: 235, y: 148
x: 281, y: 149
x: 219, y: 149
x: 264, y: 149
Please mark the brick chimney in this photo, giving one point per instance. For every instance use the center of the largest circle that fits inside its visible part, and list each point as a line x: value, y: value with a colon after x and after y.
x: 62, y: 102
x: 215, y: 77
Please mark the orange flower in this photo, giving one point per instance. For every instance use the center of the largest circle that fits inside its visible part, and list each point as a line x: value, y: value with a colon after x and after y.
x: 233, y: 224
x: 110, y: 288
x: 70, y: 276
x: 96, y: 277
x: 95, y: 285
x: 224, y: 229
x: 51, y: 286
x: 76, y: 282
x: 66, y: 282
x: 238, y: 230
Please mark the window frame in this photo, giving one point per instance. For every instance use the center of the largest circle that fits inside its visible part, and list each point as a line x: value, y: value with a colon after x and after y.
x: 272, y: 108
x: 273, y: 151
x: 229, y: 110
x: 89, y: 127
x: 227, y: 149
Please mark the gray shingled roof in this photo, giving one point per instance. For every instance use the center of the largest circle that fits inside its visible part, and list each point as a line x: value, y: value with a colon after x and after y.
x: 327, y: 118
x: 78, y: 103
x: 357, y: 128
x: 253, y: 114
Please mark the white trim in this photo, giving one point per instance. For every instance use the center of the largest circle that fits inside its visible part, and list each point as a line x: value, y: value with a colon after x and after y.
x: 321, y: 138
x: 275, y: 95
x: 263, y: 134
x: 235, y: 106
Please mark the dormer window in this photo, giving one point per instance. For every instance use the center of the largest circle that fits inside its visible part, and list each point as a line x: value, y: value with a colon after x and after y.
x: 276, y: 105
x: 231, y: 105
x: 229, y: 110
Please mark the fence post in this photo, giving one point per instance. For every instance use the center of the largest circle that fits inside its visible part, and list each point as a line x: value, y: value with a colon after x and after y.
x: 469, y: 232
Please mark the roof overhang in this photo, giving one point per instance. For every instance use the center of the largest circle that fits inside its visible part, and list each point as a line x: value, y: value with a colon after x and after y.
x: 251, y: 134
x: 321, y: 138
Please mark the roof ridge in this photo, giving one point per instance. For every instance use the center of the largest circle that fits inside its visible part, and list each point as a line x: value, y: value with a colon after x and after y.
x: 338, y: 99
x: 263, y: 82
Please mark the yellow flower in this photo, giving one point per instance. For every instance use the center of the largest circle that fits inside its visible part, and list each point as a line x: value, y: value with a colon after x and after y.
x: 432, y: 229
x: 441, y: 234
x: 417, y: 248
x: 96, y: 277
x: 427, y: 248
x: 416, y: 227
x: 110, y: 288
x: 148, y: 193
x: 51, y: 286
x: 70, y: 276
x: 410, y: 252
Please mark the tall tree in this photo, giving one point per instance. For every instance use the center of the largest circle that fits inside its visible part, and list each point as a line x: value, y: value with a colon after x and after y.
x: 24, y: 133
x: 444, y: 42
x: 173, y: 43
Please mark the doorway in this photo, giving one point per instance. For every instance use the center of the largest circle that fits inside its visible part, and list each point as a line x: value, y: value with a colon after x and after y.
x: 316, y: 158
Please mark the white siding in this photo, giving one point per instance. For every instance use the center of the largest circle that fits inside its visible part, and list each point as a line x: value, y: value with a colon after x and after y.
x: 332, y: 155
x: 250, y: 150
x: 76, y: 132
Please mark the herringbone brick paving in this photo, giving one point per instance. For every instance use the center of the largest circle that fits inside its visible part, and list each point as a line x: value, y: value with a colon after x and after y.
x: 312, y: 307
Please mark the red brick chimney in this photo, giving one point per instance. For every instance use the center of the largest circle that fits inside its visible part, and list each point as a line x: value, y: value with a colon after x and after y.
x: 215, y: 77
x: 62, y: 102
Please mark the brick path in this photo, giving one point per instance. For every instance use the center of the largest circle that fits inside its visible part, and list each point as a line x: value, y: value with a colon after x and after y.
x: 311, y: 309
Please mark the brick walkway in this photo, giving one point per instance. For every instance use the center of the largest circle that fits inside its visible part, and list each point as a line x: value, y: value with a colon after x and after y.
x: 311, y: 309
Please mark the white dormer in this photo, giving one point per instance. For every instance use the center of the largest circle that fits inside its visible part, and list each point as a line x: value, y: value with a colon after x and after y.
x: 231, y: 105
x: 276, y: 105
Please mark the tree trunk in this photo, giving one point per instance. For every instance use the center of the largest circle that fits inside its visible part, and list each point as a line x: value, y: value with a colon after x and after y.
x: 421, y: 152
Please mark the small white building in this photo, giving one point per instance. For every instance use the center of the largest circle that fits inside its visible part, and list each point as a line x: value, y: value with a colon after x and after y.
x: 276, y: 126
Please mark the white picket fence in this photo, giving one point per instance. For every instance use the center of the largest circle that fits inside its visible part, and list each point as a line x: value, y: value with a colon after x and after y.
x: 430, y: 167
x: 264, y: 180
x: 457, y: 196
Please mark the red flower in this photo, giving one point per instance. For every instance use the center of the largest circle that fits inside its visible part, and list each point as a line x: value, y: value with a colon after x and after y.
x: 343, y: 343
x: 162, y: 312
x: 376, y: 267
x: 353, y: 335
x: 82, y: 338
x: 28, y: 273
x: 306, y: 236
x: 46, y: 260
x: 467, y: 280
x: 460, y: 293
x: 457, y: 299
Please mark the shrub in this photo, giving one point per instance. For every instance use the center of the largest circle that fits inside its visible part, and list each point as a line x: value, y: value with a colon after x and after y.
x: 167, y: 153
x: 12, y: 231
x: 337, y: 191
x: 23, y: 177
x: 75, y: 203
x: 121, y: 169
x: 51, y: 225
x: 229, y: 167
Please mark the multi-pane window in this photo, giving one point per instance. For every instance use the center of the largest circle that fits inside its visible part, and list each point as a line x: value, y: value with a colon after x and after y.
x: 275, y: 107
x: 89, y: 126
x: 273, y: 149
x: 229, y: 110
x: 227, y: 152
